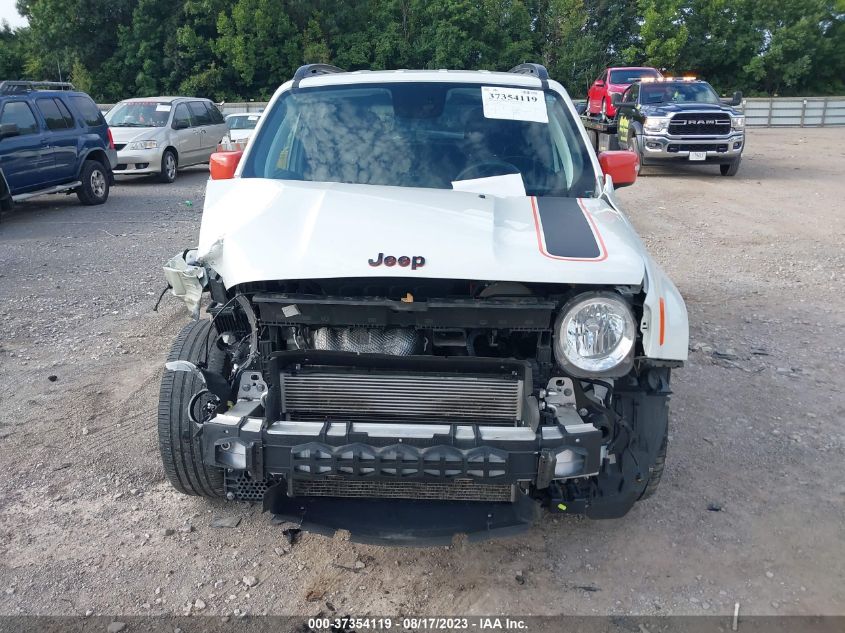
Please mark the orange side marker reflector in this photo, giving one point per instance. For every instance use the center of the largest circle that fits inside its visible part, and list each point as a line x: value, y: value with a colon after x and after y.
x: 662, y: 321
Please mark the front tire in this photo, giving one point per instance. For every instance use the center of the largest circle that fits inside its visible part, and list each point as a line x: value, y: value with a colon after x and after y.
x: 731, y: 168
x: 95, y: 183
x: 169, y: 166
x: 181, y: 450
x: 634, y: 146
x: 656, y: 470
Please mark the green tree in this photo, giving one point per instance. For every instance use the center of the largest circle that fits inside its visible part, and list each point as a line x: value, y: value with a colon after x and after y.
x: 66, y: 30
x: 146, y: 47
x: 12, y: 52
x: 801, y: 41
x: 565, y: 43
x: 663, y: 33
x: 259, y: 42
x: 722, y: 38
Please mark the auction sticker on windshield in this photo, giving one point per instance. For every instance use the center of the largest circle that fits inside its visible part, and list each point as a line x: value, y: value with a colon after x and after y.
x: 514, y: 104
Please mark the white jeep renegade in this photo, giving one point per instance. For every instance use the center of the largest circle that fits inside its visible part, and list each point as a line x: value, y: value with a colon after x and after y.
x: 428, y: 314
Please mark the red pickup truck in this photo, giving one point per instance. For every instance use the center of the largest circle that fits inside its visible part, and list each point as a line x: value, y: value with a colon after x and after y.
x: 614, y: 80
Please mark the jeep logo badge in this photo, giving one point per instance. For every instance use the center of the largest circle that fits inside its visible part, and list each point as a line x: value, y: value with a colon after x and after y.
x: 415, y: 261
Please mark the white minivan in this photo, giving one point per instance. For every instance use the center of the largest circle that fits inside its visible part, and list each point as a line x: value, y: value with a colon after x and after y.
x: 158, y: 135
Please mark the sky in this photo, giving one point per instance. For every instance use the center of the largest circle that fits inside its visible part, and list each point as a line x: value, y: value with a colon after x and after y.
x: 10, y: 14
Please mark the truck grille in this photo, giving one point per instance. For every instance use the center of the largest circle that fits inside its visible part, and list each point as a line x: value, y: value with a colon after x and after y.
x: 697, y: 147
x: 419, y: 397
x: 453, y: 491
x: 699, y: 124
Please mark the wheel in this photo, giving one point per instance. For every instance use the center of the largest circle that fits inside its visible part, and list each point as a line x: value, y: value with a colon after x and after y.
x: 656, y: 470
x: 730, y: 169
x: 604, y: 107
x: 95, y: 183
x: 5, y: 195
x: 169, y: 164
x: 634, y: 146
x: 181, y: 451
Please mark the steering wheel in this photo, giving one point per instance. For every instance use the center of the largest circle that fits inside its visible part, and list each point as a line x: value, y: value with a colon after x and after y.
x: 484, y: 168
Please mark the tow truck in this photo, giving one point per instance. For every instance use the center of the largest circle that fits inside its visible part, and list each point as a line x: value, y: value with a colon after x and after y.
x: 602, y: 131
x: 673, y: 119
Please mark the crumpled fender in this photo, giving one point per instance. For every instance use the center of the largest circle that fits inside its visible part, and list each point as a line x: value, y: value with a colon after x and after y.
x: 186, y: 279
x: 665, y: 325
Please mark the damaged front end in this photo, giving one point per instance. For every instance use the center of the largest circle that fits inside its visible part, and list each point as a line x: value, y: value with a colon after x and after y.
x: 186, y: 280
x: 408, y: 410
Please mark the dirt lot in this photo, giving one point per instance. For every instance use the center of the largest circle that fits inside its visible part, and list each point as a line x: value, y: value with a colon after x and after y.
x: 89, y: 524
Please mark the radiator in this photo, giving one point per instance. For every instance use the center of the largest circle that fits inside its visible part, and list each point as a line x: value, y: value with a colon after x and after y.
x: 418, y: 397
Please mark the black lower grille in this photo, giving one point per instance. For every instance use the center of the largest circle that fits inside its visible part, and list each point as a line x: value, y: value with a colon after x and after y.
x: 316, y: 461
x: 461, y: 490
x: 698, y: 147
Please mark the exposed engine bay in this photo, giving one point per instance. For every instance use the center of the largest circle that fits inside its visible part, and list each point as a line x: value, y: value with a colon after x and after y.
x: 379, y: 387
x: 407, y: 357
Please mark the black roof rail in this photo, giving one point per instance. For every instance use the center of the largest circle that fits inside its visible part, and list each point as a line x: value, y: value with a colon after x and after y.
x: 310, y: 70
x: 538, y: 70
x: 21, y: 86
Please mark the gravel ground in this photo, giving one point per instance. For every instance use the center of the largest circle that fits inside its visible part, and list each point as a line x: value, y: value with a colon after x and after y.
x: 88, y: 523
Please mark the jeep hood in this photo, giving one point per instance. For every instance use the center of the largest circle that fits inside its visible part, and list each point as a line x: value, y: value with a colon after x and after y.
x: 259, y: 229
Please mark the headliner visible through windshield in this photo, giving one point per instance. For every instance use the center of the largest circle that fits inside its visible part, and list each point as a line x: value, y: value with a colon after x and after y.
x: 417, y: 134
x: 139, y: 114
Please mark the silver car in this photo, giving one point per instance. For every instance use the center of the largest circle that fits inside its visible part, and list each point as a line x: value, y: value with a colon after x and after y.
x: 158, y: 135
x: 241, y: 126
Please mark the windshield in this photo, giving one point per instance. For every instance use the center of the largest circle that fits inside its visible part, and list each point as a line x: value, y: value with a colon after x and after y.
x: 423, y: 134
x: 242, y: 122
x: 630, y: 75
x: 139, y: 114
x: 679, y: 92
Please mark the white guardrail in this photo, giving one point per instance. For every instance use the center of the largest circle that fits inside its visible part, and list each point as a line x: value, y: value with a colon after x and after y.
x: 759, y: 112
x: 795, y: 111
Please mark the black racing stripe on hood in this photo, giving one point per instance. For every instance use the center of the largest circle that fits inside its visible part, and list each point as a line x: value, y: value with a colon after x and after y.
x: 566, y: 230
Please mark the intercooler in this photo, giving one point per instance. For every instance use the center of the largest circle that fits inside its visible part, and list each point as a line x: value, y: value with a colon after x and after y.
x: 384, y: 396
x: 461, y: 490
x: 245, y: 488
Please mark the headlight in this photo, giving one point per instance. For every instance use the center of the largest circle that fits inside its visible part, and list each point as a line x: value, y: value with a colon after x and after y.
x: 595, y: 335
x: 143, y: 145
x: 656, y: 124
x: 738, y: 122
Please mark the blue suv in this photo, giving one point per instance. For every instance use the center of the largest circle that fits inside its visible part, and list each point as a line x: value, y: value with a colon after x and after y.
x: 53, y: 139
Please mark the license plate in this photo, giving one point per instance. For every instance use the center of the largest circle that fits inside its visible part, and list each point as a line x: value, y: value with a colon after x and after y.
x: 698, y: 155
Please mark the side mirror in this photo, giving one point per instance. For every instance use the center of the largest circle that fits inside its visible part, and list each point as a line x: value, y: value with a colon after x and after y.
x: 180, y: 125
x: 615, y: 99
x: 737, y: 98
x: 223, y: 164
x: 622, y: 166
x: 599, y: 83
x: 9, y: 129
